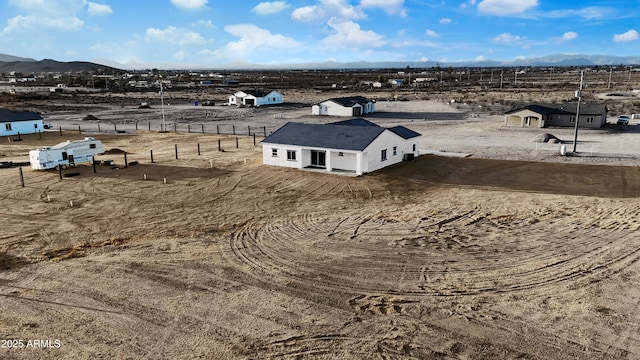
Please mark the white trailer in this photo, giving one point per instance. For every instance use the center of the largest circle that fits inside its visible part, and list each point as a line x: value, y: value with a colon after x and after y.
x: 65, y: 153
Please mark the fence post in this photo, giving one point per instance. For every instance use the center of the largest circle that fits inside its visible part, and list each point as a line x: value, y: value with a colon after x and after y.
x: 79, y: 130
x: 189, y: 128
x: 126, y: 163
x: 21, y: 178
x: 203, y: 128
x: 249, y: 130
x: 60, y: 130
x: 40, y: 134
x: 136, y: 125
x: 98, y: 127
x: 264, y: 130
x: 175, y: 127
x: 149, y: 125
x: 176, y: 148
x: 115, y: 127
x: 93, y: 161
x: 236, y: 142
x: 198, y: 149
x: 60, y: 171
x: 219, y: 147
x: 234, y: 129
x: 151, y: 153
x: 254, y: 139
x: 218, y: 129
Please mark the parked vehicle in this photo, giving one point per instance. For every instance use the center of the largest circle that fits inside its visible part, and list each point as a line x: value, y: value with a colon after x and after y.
x: 623, y: 120
x: 65, y: 154
x: 47, y: 126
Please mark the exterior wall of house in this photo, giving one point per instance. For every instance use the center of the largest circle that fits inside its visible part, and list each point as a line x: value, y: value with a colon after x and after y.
x: 387, y: 141
x: 525, y: 118
x: 272, y: 98
x: 280, y: 159
x: 23, y: 127
x: 586, y: 121
x: 332, y: 109
x: 369, y: 108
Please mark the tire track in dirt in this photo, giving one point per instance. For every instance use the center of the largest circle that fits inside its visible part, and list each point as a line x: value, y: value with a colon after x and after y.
x: 442, y: 256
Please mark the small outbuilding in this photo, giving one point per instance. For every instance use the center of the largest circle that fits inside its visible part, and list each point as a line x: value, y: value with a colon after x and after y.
x: 256, y: 98
x: 541, y: 115
x: 20, y: 122
x: 344, y: 106
x: 357, y: 146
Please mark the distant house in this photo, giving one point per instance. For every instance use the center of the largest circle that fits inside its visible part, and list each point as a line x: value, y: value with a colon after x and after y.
x: 357, y: 145
x: 22, y: 122
x: 344, y: 106
x: 256, y: 98
x: 562, y: 115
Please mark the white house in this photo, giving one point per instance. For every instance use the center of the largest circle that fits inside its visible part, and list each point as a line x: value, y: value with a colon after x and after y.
x: 23, y: 122
x: 355, y: 145
x: 256, y: 98
x: 346, y: 106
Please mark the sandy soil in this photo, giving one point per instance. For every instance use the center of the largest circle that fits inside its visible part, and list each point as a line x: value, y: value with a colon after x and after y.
x: 512, y: 252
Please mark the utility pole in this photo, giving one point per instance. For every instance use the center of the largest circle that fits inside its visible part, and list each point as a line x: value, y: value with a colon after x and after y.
x: 575, y: 130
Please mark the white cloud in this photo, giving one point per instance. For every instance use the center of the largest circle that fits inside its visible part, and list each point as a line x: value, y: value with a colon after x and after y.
x: 630, y: 35
x: 432, y: 34
x: 571, y: 35
x: 99, y: 9
x: 268, y: 8
x: 506, y: 7
x: 51, y: 7
x: 45, y: 14
x: 254, y: 39
x: 445, y: 21
x: 175, y: 36
x: 587, y: 13
x: 326, y: 9
x: 507, y: 38
x: 348, y: 34
x: 189, y: 4
x: 392, y: 7
x: 204, y: 23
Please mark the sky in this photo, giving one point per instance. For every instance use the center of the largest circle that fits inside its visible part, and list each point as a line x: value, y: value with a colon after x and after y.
x: 216, y: 33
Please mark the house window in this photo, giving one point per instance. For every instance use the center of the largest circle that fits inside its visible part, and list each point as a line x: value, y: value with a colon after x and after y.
x: 274, y: 152
x: 7, y: 127
x: 383, y: 155
x: 340, y: 153
x: 414, y: 147
x: 590, y: 120
x: 35, y: 126
x: 572, y: 119
x: 291, y: 155
x: 395, y: 150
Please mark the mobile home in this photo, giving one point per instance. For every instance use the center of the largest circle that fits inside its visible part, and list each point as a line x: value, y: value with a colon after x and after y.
x: 66, y: 153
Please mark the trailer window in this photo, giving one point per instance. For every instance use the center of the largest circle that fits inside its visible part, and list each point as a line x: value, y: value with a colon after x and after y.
x: 92, y: 146
x: 7, y: 127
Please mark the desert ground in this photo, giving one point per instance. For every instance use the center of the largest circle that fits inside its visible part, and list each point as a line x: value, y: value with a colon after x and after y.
x: 488, y: 246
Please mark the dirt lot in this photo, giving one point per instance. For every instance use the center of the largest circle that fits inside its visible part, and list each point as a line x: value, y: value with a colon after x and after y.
x: 511, y: 253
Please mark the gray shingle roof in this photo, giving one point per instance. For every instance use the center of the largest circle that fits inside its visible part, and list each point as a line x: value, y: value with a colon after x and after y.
x: 404, y: 133
x: 329, y: 136
x: 351, y: 101
x: 7, y: 115
x: 355, y: 122
x: 563, y: 108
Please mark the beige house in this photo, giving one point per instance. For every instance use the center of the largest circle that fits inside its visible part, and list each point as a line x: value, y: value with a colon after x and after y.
x: 561, y: 115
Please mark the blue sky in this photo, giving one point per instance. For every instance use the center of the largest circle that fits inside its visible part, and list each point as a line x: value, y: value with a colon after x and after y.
x: 210, y: 33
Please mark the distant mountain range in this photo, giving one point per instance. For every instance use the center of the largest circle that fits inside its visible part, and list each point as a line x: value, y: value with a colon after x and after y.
x: 27, y: 65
